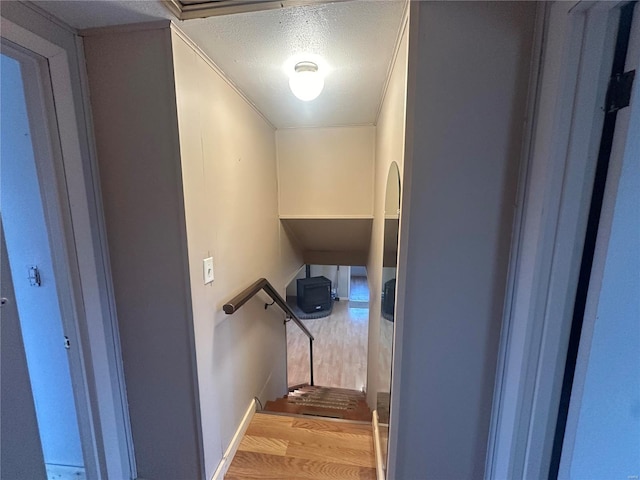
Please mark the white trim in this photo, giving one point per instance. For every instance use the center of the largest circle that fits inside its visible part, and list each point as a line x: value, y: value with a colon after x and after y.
x: 52, y: 185
x: 126, y: 28
x: 227, y: 458
x: 96, y: 362
x: 112, y: 332
x: 48, y: 16
x: 544, y: 269
x: 518, y: 224
x: 380, y: 472
x: 26, y: 39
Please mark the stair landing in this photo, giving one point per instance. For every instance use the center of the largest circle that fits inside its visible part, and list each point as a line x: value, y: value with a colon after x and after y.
x: 285, y: 447
x: 323, y: 402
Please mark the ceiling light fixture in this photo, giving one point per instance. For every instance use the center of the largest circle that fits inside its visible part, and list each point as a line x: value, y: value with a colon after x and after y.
x: 306, y: 82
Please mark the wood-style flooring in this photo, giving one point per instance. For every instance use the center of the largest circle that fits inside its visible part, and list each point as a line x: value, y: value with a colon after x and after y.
x: 359, y: 290
x: 284, y: 447
x: 323, y: 402
x: 339, y: 350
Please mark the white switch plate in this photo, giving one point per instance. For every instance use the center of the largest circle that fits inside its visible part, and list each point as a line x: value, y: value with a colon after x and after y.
x: 207, y: 266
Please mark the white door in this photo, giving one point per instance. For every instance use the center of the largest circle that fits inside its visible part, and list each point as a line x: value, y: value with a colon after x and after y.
x: 20, y: 447
x: 35, y: 280
x: 602, y: 435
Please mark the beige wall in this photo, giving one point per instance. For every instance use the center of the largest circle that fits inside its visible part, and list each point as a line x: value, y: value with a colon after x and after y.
x: 134, y: 113
x: 230, y: 189
x: 389, y: 148
x: 188, y: 171
x: 326, y: 171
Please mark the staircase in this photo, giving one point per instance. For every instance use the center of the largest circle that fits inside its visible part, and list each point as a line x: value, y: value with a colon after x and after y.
x: 323, y: 402
x: 316, y: 433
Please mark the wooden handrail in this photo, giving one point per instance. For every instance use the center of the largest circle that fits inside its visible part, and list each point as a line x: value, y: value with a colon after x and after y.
x: 263, y: 284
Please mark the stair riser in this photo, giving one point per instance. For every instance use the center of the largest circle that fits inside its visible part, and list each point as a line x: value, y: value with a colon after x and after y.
x: 323, y: 402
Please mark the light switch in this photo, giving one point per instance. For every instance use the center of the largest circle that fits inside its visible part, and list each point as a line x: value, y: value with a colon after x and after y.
x: 208, y: 270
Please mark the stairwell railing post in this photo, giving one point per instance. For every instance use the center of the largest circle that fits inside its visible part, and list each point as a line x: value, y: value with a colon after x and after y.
x: 311, y: 359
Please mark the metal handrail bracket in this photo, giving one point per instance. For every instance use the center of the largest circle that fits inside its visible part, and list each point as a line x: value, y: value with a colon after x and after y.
x: 263, y: 284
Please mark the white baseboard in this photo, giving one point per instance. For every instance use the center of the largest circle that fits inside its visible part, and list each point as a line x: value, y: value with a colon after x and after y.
x: 378, y: 449
x: 224, y: 464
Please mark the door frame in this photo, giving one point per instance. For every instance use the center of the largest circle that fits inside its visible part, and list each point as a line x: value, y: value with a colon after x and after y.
x: 51, y: 185
x: 575, y: 57
x: 72, y: 203
x: 622, y: 148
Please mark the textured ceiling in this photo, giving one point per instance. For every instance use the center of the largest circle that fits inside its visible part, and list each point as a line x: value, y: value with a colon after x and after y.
x: 352, y: 42
x: 98, y: 13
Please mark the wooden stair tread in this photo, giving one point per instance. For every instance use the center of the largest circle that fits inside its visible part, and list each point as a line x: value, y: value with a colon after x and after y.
x: 344, y: 391
x: 320, y: 412
x: 323, y: 402
x: 277, y: 447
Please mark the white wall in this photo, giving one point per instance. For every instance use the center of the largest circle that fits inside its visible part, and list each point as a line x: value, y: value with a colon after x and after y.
x: 467, y: 90
x: 390, y: 132
x: 326, y: 171
x: 228, y: 157
x: 38, y: 308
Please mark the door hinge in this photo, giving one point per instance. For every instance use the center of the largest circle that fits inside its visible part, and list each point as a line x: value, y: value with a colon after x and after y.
x: 34, y: 276
x: 619, y: 92
x: 67, y: 342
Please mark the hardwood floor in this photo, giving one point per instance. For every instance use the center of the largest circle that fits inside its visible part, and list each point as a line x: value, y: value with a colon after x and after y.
x: 323, y: 402
x: 284, y: 447
x: 340, y: 349
x: 359, y: 290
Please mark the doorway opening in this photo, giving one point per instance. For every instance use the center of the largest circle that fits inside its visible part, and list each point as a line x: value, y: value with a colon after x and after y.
x: 341, y: 331
x: 358, y: 288
x: 602, y: 366
x: 36, y: 290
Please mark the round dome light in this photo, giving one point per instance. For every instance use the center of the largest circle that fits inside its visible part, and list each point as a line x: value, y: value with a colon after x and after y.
x: 306, y: 82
